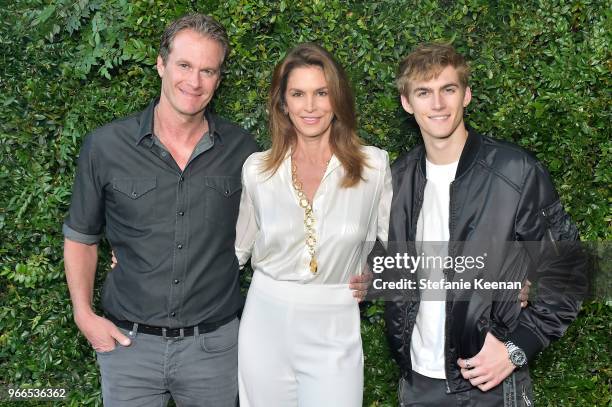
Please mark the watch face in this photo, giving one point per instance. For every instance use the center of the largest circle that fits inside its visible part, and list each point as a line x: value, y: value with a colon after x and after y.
x: 518, y: 357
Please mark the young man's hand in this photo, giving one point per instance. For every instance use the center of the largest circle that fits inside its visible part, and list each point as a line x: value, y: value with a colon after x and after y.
x: 489, y: 367
x: 360, y: 284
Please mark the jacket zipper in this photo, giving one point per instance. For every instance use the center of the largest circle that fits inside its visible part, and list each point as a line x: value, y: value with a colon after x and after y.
x: 446, y: 303
x: 407, y: 338
x: 527, y: 401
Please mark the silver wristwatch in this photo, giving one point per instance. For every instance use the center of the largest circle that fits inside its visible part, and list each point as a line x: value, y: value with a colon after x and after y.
x: 517, y: 355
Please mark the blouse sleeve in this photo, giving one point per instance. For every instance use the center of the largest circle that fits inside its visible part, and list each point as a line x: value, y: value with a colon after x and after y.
x: 246, y: 226
x: 384, y: 207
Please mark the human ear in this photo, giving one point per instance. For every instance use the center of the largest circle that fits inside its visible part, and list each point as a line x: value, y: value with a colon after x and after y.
x: 160, y: 66
x: 406, y: 104
x: 467, y: 96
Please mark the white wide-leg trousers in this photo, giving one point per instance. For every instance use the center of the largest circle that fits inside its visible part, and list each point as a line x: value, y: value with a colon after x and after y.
x: 299, y: 345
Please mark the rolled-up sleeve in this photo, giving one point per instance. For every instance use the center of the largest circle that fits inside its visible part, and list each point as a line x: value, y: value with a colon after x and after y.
x: 85, y: 220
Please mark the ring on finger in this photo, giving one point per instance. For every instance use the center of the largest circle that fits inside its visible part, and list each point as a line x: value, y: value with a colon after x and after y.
x: 468, y: 365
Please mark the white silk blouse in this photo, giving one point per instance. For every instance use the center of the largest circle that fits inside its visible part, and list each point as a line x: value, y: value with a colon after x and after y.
x: 270, y: 228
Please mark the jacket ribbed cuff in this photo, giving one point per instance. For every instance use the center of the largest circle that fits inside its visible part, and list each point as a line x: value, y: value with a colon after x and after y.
x: 527, y: 341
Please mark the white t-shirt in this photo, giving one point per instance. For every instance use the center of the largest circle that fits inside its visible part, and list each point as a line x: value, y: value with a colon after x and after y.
x: 427, y: 344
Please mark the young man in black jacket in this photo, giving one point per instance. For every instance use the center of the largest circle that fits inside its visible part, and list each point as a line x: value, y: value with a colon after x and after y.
x: 469, y: 344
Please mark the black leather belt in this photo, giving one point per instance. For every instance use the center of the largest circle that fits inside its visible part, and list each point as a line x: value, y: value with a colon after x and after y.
x: 204, y: 327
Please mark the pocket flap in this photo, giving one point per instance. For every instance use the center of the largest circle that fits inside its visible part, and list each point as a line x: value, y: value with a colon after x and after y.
x: 134, y: 187
x: 226, y: 186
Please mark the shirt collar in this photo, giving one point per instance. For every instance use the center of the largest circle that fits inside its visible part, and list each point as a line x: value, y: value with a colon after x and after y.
x: 147, y: 117
x: 470, y: 151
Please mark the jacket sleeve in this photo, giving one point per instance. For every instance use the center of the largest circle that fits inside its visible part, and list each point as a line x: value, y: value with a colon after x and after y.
x: 558, y: 264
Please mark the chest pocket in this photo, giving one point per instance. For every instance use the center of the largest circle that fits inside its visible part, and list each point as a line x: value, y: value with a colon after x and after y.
x: 136, y: 199
x: 222, y: 200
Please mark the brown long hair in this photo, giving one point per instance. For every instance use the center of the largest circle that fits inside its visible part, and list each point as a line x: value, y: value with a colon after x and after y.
x: 344, y: 142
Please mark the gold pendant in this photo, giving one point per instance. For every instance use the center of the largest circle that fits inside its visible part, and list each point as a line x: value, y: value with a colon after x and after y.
x: 313, y: 265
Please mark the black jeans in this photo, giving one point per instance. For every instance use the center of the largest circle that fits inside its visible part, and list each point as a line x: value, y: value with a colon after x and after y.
x: 422, y: 391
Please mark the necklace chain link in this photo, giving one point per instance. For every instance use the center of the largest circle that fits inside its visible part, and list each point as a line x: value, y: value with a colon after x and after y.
x: 309, y: 219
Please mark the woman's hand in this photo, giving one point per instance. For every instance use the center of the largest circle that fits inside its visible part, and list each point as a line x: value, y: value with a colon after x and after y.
x: 114, y: 260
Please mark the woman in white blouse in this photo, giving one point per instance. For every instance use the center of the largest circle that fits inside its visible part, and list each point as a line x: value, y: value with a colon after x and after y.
x: 310, y: 206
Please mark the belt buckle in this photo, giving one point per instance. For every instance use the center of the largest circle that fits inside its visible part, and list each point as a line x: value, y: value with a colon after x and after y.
x: 173, y: 332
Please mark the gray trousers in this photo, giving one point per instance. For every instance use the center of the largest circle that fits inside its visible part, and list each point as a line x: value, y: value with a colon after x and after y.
x: 199, y: 370
x: 423, y: 391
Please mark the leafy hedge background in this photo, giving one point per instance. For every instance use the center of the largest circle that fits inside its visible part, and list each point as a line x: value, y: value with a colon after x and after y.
x: 541, y: 77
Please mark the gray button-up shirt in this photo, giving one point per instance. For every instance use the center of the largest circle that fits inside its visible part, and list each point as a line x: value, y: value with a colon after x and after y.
x: 172, y: 231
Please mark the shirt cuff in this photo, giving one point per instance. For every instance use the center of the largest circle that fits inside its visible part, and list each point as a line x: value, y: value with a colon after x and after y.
x: 79, y: 237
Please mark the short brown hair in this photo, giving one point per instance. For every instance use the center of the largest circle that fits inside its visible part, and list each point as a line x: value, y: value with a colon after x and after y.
x: 344, y: 142
x: 426, y: 61
x: 200, y: 23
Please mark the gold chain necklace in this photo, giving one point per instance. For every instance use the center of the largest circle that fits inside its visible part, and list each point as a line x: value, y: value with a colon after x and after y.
x: 309, y: 219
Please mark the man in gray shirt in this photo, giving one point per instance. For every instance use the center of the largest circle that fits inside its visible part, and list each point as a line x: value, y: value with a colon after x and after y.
x: 164, y: 187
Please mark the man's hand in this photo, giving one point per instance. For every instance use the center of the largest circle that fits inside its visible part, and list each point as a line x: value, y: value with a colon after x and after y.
x: 100, y: 332
x: 489, y: 367
x: 360, y: 284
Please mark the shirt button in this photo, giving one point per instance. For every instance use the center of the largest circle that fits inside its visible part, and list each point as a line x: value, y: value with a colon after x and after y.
x: 134, y: 194
x: 227, y: 192
x: 181, y: 179
x: 179, y: 246
x: 163, y: 154
x: 181, y: 213
x: 173, y: 314
x: 175, y: 281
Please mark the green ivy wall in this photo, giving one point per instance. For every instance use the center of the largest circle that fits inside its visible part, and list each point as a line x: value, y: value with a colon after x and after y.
x: 541, y: 78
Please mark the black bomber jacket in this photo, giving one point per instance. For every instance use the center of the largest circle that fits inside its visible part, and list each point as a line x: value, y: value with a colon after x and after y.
x: 500, y: 194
